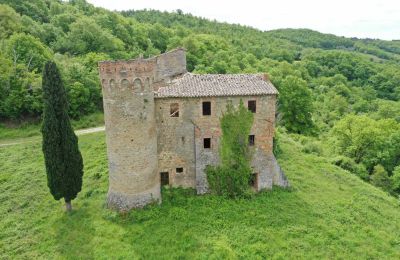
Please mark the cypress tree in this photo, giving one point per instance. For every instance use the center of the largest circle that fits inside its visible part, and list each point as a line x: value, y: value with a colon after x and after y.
x: 63, y: 160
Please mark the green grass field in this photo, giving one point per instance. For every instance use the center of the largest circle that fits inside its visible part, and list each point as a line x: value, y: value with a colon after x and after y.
x: 328, y: 213
x: 24, y: 130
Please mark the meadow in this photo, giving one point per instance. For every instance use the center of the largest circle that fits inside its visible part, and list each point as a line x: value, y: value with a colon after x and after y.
x: 14, y: 130
x: 327, y: 213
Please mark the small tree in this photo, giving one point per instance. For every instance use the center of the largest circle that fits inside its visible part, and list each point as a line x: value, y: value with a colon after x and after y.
x: 395, y: 179
x: 64, y: 165
x: 380, y: 178
x: 295, y: 105
x: 232, y: 176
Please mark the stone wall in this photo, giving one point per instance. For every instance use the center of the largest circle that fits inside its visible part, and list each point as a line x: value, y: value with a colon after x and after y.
x: 176, y: 141
x: 180, y: 139
x: 170, y: 65
x: 131, y: 129
x: 131, y: 134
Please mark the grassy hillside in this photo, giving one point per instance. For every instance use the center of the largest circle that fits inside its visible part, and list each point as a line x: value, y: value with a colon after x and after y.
x: 328, y: 213
x: 28, y: 129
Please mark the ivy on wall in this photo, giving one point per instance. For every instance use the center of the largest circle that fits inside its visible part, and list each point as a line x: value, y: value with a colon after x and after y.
x: 231, y: 178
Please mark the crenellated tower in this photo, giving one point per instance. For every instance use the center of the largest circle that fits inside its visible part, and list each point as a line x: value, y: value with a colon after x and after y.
x: 131, y: 130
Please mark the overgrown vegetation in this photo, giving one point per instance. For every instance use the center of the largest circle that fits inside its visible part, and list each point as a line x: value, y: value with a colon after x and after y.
x: 328, y: 213
x: 231, y: 178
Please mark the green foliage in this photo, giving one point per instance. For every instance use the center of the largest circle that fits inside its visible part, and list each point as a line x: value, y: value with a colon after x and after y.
x: 21, y: 90
x: 276, y: 147
x: 395, y: 180
x: 387, y: 82
x: 232, y: 176
x: 9, y: 132
x: 380, y: 178
x: 386, y: 109
x: 21, y: 93
x: 350, y: 165
x: 313, y: 39
x: 295, y: 105
x: 86, y: 36
x: 80, y: 97
x: 37, y: 9
x: 27, y: 50
x: 368, y: 141
x: 327, y: 214
x: 63, y: 160
x: 10, y: 21
x: 312, y: 146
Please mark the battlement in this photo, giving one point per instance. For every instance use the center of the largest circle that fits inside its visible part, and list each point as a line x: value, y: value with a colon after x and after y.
x: 163, y: 67
x: 124, y: 66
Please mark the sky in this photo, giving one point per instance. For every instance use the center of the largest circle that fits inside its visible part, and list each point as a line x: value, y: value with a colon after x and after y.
x: 350, y: 18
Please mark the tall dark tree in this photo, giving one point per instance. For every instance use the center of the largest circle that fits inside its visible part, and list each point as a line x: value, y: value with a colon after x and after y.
x: 64, y: 165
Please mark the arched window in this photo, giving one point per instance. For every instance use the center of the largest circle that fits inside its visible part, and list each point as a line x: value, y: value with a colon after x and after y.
x: 137, y: 85
x: 124, y: 84
x: 103, y: 83
x: 112, y: 83
x: 147, y: 84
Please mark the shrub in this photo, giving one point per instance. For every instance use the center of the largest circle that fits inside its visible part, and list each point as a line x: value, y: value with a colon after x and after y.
x: 276, y: 148
x: 395, y: 180
x: 312, y: 147
x: 380, y: 178
x: 350, y: 165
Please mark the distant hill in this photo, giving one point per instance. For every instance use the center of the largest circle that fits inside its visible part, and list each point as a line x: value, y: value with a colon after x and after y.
x: 77, y: 35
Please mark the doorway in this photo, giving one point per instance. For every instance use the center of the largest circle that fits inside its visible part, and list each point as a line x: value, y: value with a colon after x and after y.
x: 164, y: 178
x: 253, y: 182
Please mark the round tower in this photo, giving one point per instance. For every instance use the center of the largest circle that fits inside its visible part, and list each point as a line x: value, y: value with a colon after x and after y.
x: 131, y: 133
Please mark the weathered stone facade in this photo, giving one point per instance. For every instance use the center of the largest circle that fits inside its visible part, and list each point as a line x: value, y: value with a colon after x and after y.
x: 145, y: 138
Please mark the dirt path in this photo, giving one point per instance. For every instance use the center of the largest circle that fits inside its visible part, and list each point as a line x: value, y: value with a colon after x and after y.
x: 38, y: 138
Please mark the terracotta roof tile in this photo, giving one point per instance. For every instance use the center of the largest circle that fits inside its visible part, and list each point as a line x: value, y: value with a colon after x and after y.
x: 208, y: 85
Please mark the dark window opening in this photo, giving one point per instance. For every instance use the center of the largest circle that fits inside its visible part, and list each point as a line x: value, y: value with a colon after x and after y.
x: 207, y: 142
x: 174, y: 110
x: 253, y: 182
x: 164, y: 176
x: 179, y: 170
x: 251, y: 104
x: 252, y: 140
x: 206, y: 108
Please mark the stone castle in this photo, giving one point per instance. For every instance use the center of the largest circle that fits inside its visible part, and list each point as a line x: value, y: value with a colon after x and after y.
x: 162, y: 126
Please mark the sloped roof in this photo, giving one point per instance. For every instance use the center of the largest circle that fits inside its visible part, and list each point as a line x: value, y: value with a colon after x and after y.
x: 209, y: 85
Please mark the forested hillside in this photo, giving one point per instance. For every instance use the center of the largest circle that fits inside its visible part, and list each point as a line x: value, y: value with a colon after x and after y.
x: 338, y: 96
